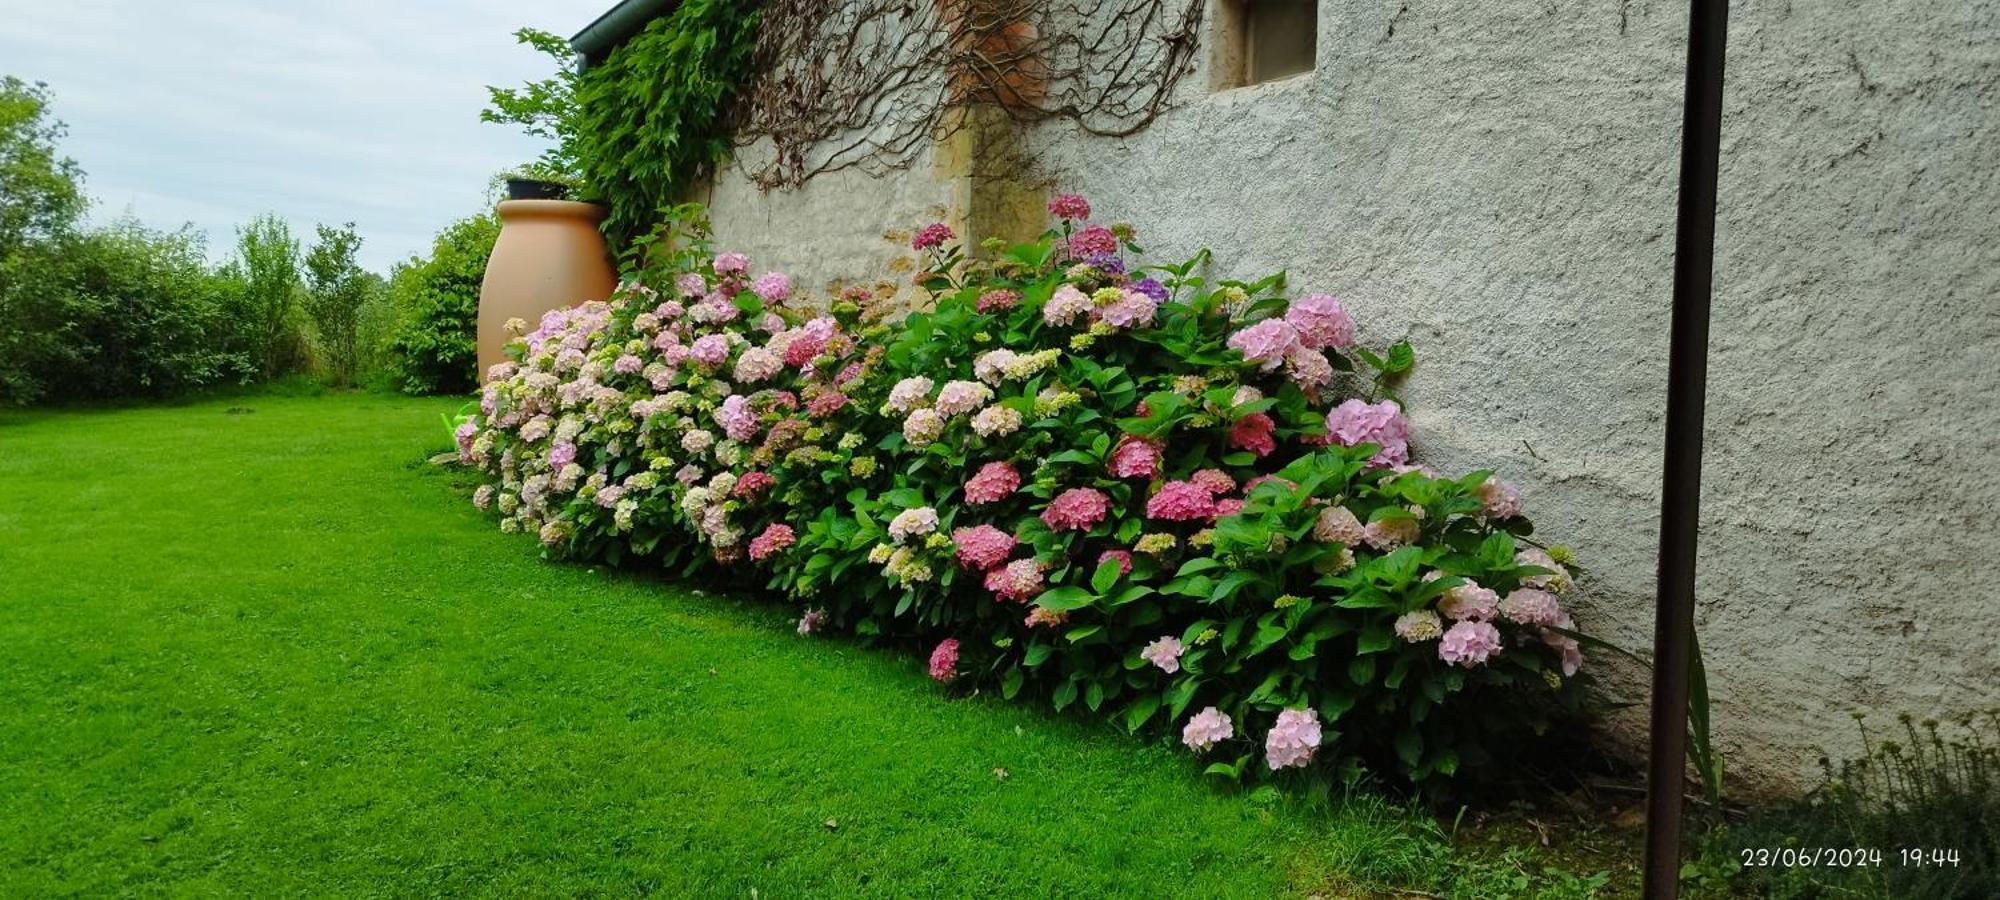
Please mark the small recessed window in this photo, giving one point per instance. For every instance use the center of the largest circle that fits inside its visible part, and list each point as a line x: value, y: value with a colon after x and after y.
x: 1262, y: 40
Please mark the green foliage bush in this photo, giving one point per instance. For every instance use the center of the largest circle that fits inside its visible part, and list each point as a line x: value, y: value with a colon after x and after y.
x: 436, y: 303
x: 1177, y: 502
x: 650, y: 119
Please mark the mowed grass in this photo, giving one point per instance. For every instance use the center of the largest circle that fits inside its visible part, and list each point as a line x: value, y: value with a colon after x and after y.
x: 256, y: 646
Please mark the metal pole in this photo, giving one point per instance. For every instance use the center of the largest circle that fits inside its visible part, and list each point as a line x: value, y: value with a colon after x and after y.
x: 1680, y: 493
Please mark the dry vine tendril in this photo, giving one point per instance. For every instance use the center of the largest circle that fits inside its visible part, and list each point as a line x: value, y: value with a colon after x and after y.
x: 865, y: 85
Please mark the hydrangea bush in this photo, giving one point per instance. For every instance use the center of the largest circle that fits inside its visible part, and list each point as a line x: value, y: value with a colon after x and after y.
x: 1182, y: 503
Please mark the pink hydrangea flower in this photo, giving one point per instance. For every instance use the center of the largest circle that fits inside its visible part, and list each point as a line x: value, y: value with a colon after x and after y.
x: 482, y: 498
x: 627, y: 364
x: 774, y: 287
x: 1066, y: 305
x: 1131, y: 310
x: 1069, y: 206
x: 1228, y: 506
x: 710, y: 349
x: 752, y: 484
x: 1215, y: 481
x: 1382, y: 424
x: 1321, y: 322
x: 1565, y: 646
x: 1338, y: 525
x: 1134, y: 457
x: 1535, y: 556
x: 1078, y: 509
x: 932, y: 236
x: 994, y: 482
x: 1165, y: 653
x: 961, y: 397
x: 991, y: 366
x: 813, y: 620
x: 1469, y: 601
x: 1469, y: 643
x: 1181, y: 501
x: 1529, y: 606
x: 731, y: 263
x: 1123, y: 557
x: 1254, y: 433
x: 1092, y: 241
x: 1266, y: 343
x: 1292, y: 740
x: 911, y: 393
x: 775, y: 540
x: 982, y: 547
x: 1498, y: 499
x: 1388, y: 534
x: 911, y: 523
x: 562, y: 455
x: 1039, y: 616
x: 757, y: 364
x: 997, y: 300
x: 1309, y: 368
x: 1206, y: 729
x: 672, y: 309
x: 690, y: 284
x: 944, y: 661
x: 736, y: 419
x: 1019, y: 581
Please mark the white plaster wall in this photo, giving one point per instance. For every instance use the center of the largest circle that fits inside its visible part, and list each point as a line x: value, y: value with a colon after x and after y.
x: 1496, y: 182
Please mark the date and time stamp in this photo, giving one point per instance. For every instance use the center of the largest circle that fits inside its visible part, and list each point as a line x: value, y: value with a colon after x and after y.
x: 1848, y: 857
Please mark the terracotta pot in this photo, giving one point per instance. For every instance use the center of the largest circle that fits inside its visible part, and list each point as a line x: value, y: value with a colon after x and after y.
x: 549, y: 255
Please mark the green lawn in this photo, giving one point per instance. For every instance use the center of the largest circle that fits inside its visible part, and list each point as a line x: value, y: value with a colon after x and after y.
x: 256, y: 646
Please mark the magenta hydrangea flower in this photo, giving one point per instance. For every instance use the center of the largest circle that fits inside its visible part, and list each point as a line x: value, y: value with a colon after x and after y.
x: 1292, y: 740
x: 825, y: 404
x: 944, y: 661
x: 1069, y: 206
x: 751, y: 484
x: 1382, y: 424
x: 1206, y: 729
x: 562, y: 455
x: 1092, y: 240
x: 1266, y: 343
x: 994, y: 482
x: 1181, y: 501
x: 1019, y: 581
x: 774, y: 287
x: 982, y: 547
x: 1530, y: 606
x: 1321, y: 321
x: 932, y: 236
x: 1469, y: 643
x: 775, y: 540
x: 1078, y: 509
x: 1123, y: 558
x: 731, y: 263
x: 1165, y: 653
x: 1254, y: 433
x: 710, y: 350
x: 1228, y: 506
x: 1134, y: 457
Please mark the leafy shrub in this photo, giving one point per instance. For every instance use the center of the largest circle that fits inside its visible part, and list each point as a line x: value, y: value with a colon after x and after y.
x: 115, y: 312
x: 337, y: 292
x: 1181, y: 503
x: 436, y: 299
x: 650, y: 119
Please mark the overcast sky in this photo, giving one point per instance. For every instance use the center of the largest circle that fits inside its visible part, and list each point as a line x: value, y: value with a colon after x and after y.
x: 210, y: 111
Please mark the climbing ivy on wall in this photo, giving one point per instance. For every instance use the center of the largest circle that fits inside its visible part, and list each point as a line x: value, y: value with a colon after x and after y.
x: 653, y: 116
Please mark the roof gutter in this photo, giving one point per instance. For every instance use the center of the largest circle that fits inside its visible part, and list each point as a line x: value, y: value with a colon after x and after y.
x: 614, y: 27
